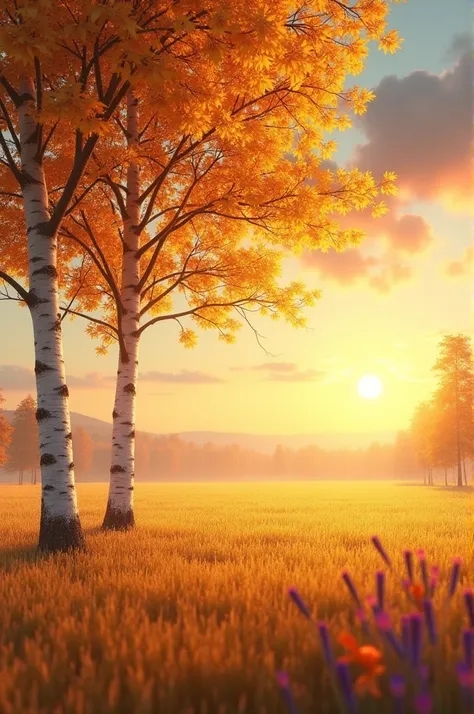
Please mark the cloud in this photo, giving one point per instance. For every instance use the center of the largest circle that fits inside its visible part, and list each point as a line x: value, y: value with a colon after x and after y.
x: 14, y: 378
x: 462, y: 268
x: 420, y: 126
x: 183, y: 377
x: 276, y: 367
x: 92, y: 380
x: 351, y: 267
x: 306, y: 375
x: 286, y: 372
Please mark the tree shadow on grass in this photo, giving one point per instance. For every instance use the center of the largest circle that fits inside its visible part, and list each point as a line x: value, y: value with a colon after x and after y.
x: 460, y: 490
x: 18, y: 555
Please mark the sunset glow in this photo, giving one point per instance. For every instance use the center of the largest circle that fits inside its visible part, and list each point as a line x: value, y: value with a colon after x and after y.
x: 370, y: 387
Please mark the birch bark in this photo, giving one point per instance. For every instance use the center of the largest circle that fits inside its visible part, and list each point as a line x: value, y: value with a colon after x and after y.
x: 60, y: 528
x: 119, y: 514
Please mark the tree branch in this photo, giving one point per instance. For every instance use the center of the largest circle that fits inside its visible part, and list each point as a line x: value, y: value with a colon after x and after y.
x: 16, y: 286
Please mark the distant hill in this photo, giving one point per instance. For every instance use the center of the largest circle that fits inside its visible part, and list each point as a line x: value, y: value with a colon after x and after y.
x: 266, y: 443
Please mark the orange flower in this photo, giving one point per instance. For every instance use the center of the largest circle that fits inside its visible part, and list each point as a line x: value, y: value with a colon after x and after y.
x: 368, y: 658
x: 417, y: 592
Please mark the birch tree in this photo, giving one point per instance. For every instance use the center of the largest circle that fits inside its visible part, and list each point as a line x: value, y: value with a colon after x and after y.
x: 64, y: 70
x: 218, y: 180
x: 5, y: 433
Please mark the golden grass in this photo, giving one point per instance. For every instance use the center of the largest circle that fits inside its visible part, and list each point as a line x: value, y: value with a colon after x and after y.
x: 190, y: 612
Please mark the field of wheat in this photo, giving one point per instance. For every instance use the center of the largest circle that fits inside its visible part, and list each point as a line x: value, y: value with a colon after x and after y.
x: 190, y: 613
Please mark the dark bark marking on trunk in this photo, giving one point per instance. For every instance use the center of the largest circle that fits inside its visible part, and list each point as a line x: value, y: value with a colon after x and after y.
x: 47, y: 460
x: 48, y: 487
x: 35, y: 258
x: 41, y: 367
x: 63, y: 391
x: 34, y: 300
x: 71, y: 466
x: 115, y: 414
x: 132, y: 434
x: 56, y: 326
x: 117, y: 469
x: 42, y: 414
x: 129, y: 388
x: 126, y: 423
x: 47, y: 270
x: 68, y: 436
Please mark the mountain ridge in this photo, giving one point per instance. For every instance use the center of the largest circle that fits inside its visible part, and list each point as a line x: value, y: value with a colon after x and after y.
x: 100, y: 430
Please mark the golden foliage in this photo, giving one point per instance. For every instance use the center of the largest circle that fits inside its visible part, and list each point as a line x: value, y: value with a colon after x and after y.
x: 236, y: 104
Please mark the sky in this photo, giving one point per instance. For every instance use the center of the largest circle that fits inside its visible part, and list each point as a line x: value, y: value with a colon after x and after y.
x: 384, y: 305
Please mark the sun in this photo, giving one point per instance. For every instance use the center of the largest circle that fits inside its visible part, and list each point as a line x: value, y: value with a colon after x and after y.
x: 369, y: 386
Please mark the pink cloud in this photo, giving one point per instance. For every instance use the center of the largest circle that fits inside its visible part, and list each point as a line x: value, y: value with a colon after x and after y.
x: 351, y: 266
x: 420, y: 126
x: 462, y: 268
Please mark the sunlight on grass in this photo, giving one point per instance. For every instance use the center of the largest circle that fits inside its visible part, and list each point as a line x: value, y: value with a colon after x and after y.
x: 190, y: 613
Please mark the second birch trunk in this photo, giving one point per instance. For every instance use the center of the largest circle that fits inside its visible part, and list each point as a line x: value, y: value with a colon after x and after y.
x: 119, y: 514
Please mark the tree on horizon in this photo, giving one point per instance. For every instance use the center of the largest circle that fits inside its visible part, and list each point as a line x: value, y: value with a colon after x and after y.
x: 23, y: 452
x: 455, y: 395
x: 5, y: 433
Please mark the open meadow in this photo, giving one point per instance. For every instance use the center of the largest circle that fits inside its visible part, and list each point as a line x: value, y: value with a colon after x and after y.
x: 190, y: 613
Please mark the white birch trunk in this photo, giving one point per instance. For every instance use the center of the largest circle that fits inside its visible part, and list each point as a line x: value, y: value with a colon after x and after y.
x: 119, y: 514
x: 60, y: 527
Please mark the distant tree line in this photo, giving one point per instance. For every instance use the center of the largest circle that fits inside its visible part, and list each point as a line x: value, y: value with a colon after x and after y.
x: 443, y: 426
x: 170, y: 457
x: 438, y: 444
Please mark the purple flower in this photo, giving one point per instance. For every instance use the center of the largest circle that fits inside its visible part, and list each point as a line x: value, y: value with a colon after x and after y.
x: 362, y: 618
x: 378, y: 545
x: 383, y: 623
x: 466, y: 682
x: 382, y: 620
x: 423, y: 704
x: 348, y: 695
x: 326, y: 643
x: 465, y: 675
x: 283, y: 679
x: 405, y: 624
x: 430, y: 620
x: 469, y: 602
x: 416, y: 637
x: 299, y: 602
x: 372, y: 603
x: 408, y: 558
x: 453, y: 580
x: 351, y: 587
x: 468, y: 647
x: 423, y: 569
x: 434, y: 579
x: 425, y: 678
x: 380, y: 588
x: 284, y: 683
x: 397, y: 686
